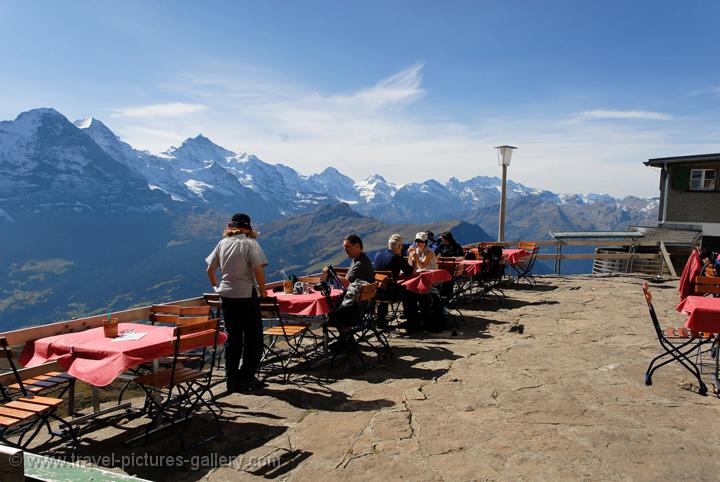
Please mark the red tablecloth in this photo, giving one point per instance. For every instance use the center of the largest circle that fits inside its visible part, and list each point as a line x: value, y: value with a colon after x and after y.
x: 313, y: 304
x: 92, y: 358
x: 473, y: 267
x: 703, y: 311
x: 513, y: 256
x: 424, y: 280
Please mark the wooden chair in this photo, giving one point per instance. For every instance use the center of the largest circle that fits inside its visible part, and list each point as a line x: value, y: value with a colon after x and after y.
x: 677, y: 344
x: 360, y: 324
x: 182, y: 388
x: 523, y: 268
x: 386, y: 302
x: 279, y: 330
x: 172, y: 315
x: 28, y: 413
x: 707, y: 285
x: 310, y: 279
x: 452, y: 291
x: 179, y: 315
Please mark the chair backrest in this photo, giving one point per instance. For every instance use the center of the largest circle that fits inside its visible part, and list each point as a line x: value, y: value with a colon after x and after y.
x: 341, y: 271
x: 368, y: 292
x: 527, y: 245
x: 452, y: 266
x: 310, y: 279
x: 651, y: 309
x: 492, y: 266
x: 270, y: 310
x: 383, y: 278
x: 705, y: 285
x: 18, y: 375
x: 179, y: 315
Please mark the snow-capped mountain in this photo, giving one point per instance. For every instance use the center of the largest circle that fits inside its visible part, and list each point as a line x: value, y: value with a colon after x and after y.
x: 42, y: 144
x: 46, y: 162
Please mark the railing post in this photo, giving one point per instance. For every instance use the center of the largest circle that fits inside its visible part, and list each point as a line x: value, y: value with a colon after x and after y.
x: 558, y: 252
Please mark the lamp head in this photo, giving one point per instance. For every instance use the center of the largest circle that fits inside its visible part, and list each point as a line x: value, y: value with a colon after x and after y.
x: 504, y: 155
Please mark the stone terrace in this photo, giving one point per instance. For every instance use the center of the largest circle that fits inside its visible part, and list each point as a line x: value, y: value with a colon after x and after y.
x: 564, y: 400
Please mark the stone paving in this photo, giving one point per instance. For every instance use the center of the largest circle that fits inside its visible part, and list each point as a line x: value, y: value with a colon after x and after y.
x: 563, y: 400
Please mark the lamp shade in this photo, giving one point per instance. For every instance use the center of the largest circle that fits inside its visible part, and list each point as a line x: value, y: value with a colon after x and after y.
x: 504, y: 155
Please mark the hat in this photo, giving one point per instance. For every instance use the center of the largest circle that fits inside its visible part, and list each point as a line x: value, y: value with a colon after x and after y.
x: 395, y: 238
x: 240, y: 220
x: 421, y: 237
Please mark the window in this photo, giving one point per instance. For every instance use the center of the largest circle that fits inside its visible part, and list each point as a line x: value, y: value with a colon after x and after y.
x: 702, y: 179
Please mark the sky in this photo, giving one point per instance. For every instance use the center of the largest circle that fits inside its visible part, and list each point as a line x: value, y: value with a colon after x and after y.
x: 411, y: 90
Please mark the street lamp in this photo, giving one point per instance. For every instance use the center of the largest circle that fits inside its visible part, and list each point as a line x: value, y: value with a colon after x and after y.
x: 504, y: 155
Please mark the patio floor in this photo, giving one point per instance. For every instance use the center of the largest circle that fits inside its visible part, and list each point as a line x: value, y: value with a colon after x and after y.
x: 564, y: 400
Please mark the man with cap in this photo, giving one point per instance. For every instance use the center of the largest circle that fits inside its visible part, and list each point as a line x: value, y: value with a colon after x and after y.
x: 241, y: 262
x: 391, y: 259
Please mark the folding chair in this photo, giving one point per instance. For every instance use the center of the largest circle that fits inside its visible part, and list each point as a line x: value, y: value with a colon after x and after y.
x: 524, y: 267
x: 451, y: 292
x: 54, y: 383
x: 491, y: 276
x: 361, y: 323
x: 277, y: 329
x: 386, y: 301
x: 707, y: 285
x: 28, y: 413
x: 172, y: 315
x: 677, y: 343
x: 182, y: 389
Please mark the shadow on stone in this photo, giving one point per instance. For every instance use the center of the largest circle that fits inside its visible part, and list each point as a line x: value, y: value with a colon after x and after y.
x: 161, y: 459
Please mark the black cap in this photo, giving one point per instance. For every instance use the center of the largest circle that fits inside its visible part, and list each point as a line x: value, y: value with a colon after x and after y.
x: 240, y: 220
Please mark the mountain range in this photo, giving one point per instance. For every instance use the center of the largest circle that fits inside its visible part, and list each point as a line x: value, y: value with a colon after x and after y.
x: 91, y: 223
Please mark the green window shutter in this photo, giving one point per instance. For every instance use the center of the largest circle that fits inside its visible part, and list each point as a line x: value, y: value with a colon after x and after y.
x: 680, y: 178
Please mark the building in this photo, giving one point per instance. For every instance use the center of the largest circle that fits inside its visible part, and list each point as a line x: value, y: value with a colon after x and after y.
x: 689, y: 195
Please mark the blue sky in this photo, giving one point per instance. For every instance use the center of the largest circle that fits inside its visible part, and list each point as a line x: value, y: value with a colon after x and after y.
x: 410, y: 90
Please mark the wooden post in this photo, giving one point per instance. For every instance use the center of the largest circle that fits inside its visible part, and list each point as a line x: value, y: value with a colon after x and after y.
x: 558, y: 252
x: 12, y: 464
x: 668, y: 261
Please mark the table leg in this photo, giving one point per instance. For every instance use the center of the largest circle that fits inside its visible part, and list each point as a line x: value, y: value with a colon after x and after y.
x: 95, y: 398
x: 156, y: 393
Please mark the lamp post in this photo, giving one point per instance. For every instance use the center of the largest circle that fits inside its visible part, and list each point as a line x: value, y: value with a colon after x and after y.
x: 504, y: 155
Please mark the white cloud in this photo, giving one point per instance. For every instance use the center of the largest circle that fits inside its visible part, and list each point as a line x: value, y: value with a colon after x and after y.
x: 170, y: 109
x: 622, y: 114
x: 388, y: 128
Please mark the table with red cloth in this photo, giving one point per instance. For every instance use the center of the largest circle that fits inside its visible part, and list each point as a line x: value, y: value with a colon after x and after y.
x: 703, y: 313
x: 92, y: 358
x: 422, y: 281
x: 513, y: 256
x: 473, y: 267
x: 311, y: 304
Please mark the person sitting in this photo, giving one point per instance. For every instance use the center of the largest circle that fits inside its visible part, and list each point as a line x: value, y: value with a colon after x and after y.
x: 449, y: 247
x: 420, y: 256
x: 361, y: 269
x: 433, y: 243
x: 391, y: 260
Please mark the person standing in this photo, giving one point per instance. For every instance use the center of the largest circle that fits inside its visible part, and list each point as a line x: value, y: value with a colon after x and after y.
x: 241, y: 262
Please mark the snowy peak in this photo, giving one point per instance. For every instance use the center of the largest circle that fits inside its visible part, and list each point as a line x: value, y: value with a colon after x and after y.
x: 199, y: 150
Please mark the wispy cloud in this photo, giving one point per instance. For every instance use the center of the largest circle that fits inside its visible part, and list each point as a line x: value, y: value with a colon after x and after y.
x: 707, y: 91
x: 402, y: 87
x: 171, y: 109
x: 621, y: 115
x: 379, y: 129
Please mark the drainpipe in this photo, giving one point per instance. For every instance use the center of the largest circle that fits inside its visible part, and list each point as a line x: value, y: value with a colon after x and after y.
x: 665, y: 195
